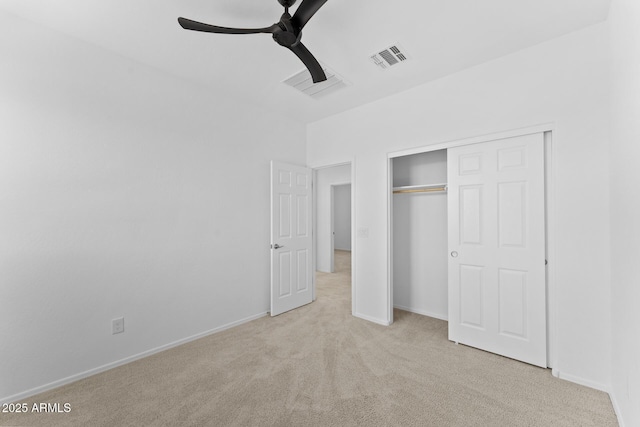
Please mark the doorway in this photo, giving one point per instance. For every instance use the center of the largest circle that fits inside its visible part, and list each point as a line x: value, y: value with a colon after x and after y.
x: 333, y: 197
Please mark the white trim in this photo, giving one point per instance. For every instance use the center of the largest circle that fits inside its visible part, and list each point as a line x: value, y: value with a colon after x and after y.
x: 422, y: 312
x: 332, y: 233
x: 584, y: 382
x: 550, y: 242
x: 353, y: 237
x: 314, y: 232
x: 545, y: 127
x: 616, y: 409
x: 390, y: 240
x: 330, y: 165
x: 372, y: 319
x: 108, y: 366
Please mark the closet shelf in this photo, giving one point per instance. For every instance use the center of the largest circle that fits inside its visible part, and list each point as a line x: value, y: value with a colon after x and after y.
x: 427, y: 188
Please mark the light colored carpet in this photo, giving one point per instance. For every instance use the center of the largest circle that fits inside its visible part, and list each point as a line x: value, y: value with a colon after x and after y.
x: 319, y: 366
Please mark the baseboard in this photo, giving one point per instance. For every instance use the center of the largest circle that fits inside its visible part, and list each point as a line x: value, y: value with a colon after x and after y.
x: 616, y: 409
x: 372, y: 319
x: 108, y: 366
x: 594, y: 385
x: 422, y: 312
x: 584, y: 382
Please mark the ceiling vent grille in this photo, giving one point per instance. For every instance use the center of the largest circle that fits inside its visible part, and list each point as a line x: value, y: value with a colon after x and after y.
x: 389, y: 57
x: 302, y: 82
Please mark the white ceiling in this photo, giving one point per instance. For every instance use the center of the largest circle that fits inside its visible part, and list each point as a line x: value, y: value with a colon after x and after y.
x: 441, y: 37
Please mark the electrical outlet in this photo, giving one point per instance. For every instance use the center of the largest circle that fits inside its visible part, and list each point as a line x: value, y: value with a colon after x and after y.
x: 117, y: 326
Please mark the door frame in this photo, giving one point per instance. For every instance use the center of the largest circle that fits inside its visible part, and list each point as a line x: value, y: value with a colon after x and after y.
x: 315, y: 168
x: 550, y: 218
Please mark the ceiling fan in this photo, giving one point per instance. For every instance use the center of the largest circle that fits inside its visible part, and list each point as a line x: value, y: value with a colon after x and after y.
x: 287, y: 32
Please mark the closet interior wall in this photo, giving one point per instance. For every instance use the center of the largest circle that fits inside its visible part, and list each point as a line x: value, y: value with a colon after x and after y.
x: 420, y: 235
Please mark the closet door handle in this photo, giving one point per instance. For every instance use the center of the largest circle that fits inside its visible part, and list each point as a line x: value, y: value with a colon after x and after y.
x: 454, y: 254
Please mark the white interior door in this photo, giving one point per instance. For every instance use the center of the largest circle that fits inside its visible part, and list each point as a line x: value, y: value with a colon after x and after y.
x: 291, y: 237
x: 497, y: 299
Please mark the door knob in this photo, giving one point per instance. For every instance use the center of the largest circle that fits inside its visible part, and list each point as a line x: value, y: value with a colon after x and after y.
x: 277, y: 246
x: 454, y: 254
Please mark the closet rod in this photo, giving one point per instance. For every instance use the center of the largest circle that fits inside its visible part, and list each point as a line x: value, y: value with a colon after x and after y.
x: 421, y: 190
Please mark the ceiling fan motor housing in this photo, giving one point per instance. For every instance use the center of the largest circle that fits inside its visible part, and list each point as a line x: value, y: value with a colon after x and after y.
x: 287, y: 3
x: 286, y: 35
x: 286, y: 38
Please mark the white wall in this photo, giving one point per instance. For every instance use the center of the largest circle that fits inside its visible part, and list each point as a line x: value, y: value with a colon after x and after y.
x: 420, y: 261
x: 123, y: 192
x: 625, y: 208
x: 562, y: 81
x: 324, y: 179
x: 342, y: 217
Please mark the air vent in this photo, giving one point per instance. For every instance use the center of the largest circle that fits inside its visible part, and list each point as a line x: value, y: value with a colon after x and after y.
x: 302, y: 82
x: 389, y: 57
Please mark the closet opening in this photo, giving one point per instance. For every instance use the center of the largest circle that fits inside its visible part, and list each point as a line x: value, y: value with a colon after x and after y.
x: 420, y: 233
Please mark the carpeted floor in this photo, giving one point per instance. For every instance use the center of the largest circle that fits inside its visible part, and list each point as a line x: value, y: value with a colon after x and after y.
x: 319, y: 366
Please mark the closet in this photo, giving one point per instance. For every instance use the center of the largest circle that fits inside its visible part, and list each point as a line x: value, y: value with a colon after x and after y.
x: 469, y: 242
x: 420, y: 233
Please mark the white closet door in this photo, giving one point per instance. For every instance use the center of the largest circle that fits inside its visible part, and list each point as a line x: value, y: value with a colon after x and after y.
x: 497, y: 298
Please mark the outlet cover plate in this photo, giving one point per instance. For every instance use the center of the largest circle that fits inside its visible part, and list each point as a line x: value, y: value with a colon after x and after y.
x: 117, y: 326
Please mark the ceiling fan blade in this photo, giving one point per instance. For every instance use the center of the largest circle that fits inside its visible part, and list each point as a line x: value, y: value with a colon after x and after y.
x: 305, y: 11
x: 312, y: 64
x: 188, y: 24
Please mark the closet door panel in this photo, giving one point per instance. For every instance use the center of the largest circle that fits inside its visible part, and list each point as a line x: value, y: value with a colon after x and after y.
x: 470, y: 197
x: 496, y: 227
x: 512, y: 214
x: 471, y: 296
